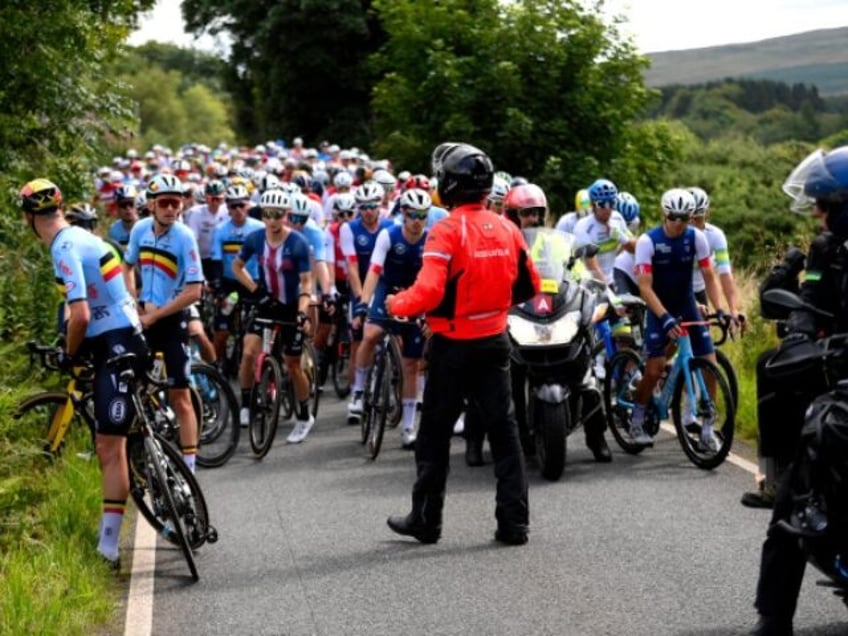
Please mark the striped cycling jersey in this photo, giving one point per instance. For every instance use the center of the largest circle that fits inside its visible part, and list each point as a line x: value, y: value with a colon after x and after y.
x: 226, y: 245
x: 719, y: 253
x: 167, y: 263
x: 608, y: 237
x: 358, y: 243
x: 280, y: 266
x: 89, y: 269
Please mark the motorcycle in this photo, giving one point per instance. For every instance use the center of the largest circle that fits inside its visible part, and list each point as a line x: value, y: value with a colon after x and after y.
x: 819, y: 473
x: 554, y: 388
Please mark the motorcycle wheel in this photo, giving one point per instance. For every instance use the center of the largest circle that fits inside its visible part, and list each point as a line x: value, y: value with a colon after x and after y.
x: 551, y: 424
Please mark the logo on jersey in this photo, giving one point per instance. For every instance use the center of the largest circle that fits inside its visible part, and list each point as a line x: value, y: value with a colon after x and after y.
x: 662, y: 247
x: 362, y: 240
x: 399, y: 249
x: 118, y: 410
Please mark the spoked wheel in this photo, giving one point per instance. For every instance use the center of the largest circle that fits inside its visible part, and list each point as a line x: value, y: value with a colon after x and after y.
x: 378, y: 413
x: 726, y: 367
x: 309, y: 361
x: 623, y: 372
x: 188, y: 497
x: 704, y: 424
x: 339, y: 368
x: 43, y: 415
x: 265, y: 407
x: 217, y: 415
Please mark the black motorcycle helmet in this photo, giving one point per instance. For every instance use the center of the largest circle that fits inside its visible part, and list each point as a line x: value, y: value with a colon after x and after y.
x: 465, y: 175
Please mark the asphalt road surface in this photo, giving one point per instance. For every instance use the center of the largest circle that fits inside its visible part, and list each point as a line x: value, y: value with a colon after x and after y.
x: 644, y: 545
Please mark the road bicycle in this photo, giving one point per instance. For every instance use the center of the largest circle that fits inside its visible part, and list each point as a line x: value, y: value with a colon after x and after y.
x: 684, y: 391
x: 335, y: 362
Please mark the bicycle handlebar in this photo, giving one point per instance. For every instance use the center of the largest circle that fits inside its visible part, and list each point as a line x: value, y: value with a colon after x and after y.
x: 712, y: 320
x: 49, y: 356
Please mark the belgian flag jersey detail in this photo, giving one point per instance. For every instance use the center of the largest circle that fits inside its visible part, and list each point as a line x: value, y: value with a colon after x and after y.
x: 88, y: 269
x: 227, y: 243
x: 166, y: 263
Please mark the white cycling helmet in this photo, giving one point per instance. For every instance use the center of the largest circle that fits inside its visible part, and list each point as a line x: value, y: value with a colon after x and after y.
x: 343, y: 179
x: 164, y: 184
x: 269, y: 182
x: 274, y: 199
x: 702, y: 201
x: 385, y: 179
x: 500, y: 187
x: 344, y: 202
x: 369, y: 192
x: 236, y: 193
x: 678, y: 201
x: 416, y: 199
x: 299, y: 205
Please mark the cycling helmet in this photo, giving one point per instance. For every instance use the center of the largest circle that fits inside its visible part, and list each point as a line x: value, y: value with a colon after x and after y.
x: 344, y: 202
x: 628, y: 207
x: 385, y: 179
x: 416, y: 199
x: 141, y: 200
x: 517, y: 181
x: 125, y: 193
x: 603, y: 191
x: 419, y: 181
x: 197, y: 194
x: 582, y: 202
x: 301, y: 179
x: 503, y: 176
x: 369, y: 192
x: 40, y: 196
x: 214, y: 188
x: 299, y: 208
x: 702, y: 201
x: 321, y: 177
x: 82, y: 215
x: 164, y: 184
x: 343, y: 179
x: 403, y: 176
x: 465, y: 175
x: 274, y: 199
x: 269, y: 182
x: 290, y: 188
x: 500, y: 188
x: 245, y: 172
x: 237, y: 193
x: 678, y: 201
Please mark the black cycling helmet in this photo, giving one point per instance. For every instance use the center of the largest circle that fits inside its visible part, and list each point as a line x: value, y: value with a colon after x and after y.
x: 82, y: 215
x: 464, y: 174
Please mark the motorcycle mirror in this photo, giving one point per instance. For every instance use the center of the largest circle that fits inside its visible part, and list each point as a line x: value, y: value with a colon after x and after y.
x: 787, y: 300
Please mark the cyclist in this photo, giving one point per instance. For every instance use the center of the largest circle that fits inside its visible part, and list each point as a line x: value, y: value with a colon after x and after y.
x: 285, y: 285
x: 721, y: 259
x: 343, y: 181
x: 495, y: 200
x: 357, y: 240
x: 165, y: 252
x: 102, y: 322
x: 665, y: 257
x: 226, y: 245
x: 624, y: 280
x: 204, y: 219
x: 125, y: 199
x: 394, y: 264
x: 299, y: 220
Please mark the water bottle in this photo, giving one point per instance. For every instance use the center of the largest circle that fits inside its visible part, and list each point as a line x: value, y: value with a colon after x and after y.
x: 229, y: 303
x: 159, y: 366
x: 658, y: 389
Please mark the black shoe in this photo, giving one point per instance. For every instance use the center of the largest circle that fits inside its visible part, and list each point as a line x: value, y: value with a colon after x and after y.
x: 474, y: 453
x: 758, y: 499
x: 599, y: 448
x: 772, y: 626
x: 511, y: 536
x: 410, y: 528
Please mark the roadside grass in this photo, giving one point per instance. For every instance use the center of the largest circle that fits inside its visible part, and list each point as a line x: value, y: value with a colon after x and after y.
x: 53, y: 579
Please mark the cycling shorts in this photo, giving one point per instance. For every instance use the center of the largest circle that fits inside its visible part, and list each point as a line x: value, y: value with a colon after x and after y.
x: 170, y: 336
x: 292, y: 337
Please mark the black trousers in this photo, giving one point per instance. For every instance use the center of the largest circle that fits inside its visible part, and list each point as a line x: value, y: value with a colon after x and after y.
x: 476, y: 370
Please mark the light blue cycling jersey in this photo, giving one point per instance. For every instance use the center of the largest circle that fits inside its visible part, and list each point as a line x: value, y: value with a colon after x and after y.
x: 227, y: 243
x: 314, y: 235
x: 118, y: 232
x: 88, y: 269
x: 167, y: 263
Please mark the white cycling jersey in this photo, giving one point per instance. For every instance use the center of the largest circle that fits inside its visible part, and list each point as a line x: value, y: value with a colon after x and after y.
x: 608, y: 237
x: 719, y: 255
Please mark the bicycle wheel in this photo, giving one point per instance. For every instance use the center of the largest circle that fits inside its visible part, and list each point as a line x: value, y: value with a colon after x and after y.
x: 368, y: 398
x: 190, y: 501
x: 339, y: 367
x: 160, y: 482
x: 380, y: 407
x: 265, y: 407
x: 309, y: 361
x: 622, y: 375
x: 394, y: 366
x: 691, y: 411
x: 43, y: 417
x: 726, y: 367
x: 218, y: 415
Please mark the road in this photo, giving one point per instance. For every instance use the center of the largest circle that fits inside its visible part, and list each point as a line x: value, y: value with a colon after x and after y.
x: 644, y: 545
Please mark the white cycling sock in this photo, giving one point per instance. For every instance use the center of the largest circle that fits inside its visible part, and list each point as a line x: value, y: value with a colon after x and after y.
x: 409, y: 414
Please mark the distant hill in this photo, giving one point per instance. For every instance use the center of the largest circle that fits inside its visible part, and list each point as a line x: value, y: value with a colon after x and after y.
x: 815, y: 57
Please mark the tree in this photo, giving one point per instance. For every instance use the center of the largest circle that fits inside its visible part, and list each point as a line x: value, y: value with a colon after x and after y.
x: 546, y: 88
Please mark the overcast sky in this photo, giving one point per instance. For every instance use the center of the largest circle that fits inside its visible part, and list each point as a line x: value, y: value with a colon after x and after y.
x: 656, y: 25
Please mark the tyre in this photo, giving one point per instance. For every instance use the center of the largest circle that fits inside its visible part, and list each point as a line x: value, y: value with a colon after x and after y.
x: 690, y: 412
x: 368, y: 398
x: 309, y: 361
x: 379, y: 411
x: 551, y: 421
x: 45, y: 418
x: 726, y: 367
x: 287, y: 401
x: 394, y: 366
x: 160, y: 480
x: 339, y: 367
x: 265, y: 407
x: 623, y: 371
x: 188, y: 497
x: 218, y: 420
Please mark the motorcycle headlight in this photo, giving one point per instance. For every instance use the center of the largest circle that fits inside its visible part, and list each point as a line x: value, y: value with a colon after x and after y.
x: 531, y: 334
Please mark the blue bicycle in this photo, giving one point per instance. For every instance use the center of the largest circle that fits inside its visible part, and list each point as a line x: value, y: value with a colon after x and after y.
x: 694, y: 390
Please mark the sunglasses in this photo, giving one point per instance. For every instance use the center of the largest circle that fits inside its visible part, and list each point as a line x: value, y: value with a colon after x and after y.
x: 168, y: 202
x: 298, y: 219
x: 218, y: 199
x: 126, y: 204
x: 236, y: 204
x: 273, y: 214
x: 368, y: 206
x: 678, y: 216
x: 416, y: 216
x: 344, y: 213
x: 603, y: 204
x: 528, y: 212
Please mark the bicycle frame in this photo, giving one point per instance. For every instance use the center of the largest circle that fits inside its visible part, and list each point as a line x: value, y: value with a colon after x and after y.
x: 681, y: 363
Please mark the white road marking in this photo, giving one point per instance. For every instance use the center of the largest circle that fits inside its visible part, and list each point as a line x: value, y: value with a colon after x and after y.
x: 139, y: 620
x: 734, y: 459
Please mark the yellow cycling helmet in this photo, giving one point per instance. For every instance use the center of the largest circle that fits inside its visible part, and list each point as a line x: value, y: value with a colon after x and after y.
x: 40, y: 196
x: 582, y: 203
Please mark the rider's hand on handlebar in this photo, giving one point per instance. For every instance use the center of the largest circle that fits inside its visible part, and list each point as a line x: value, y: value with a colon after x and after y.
x: 738, y: 324
x: 670, y: 326
x: 65, y: 362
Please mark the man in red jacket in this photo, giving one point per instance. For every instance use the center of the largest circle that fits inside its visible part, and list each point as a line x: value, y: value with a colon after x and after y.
x: 476, y: 266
